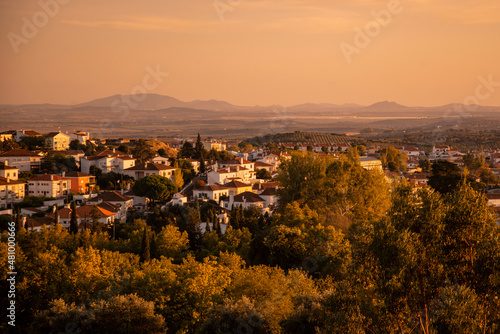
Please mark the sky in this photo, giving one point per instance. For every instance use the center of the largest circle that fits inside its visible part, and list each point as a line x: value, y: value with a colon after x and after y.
x: 252, y: 52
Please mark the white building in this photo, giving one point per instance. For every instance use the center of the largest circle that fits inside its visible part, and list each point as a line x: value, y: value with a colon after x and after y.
x: 148, y: 169
x: 108, y: 161
x: 25, y: 160
x: 9, y: 172
x: 50, y: 186
x: 11, y: 191
x: 213, y: 192
x: 370, y: 163
x: 57, y: 141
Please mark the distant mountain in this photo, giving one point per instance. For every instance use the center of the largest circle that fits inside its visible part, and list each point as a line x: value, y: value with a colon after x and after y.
x: 136, y: 102
x: 323, y: 106
x: 387, y: 105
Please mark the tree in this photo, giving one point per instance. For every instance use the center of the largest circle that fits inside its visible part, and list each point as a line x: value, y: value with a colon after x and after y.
x: 263, y: 174
x: 155, y: 188
x: 124, y: 148
x: 142, y: 152
x: 446, y: 177
x: 119, y: 314
x: 187, y: 150
x: 96, y: 171
x: 33, y: 142
x: 393, y: 159
x: 426, y: 165
x: 202, y: 163
x: 73, y: 223
x: 199, y: 148
x: 178, y: 176
x: 75, y: 145
x: 56, y: 216
x: 145, y: 251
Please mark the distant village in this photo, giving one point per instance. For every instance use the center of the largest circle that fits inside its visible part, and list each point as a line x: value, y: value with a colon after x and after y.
x: 39, y: 185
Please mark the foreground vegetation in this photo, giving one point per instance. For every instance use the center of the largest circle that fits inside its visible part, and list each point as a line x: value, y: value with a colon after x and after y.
x: 343, y: 253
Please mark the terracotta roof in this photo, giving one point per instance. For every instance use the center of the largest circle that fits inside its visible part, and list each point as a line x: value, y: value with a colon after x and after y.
x: 38, y: 221
x: 106, y: 152
x: 31, y: 133
x: 53, y: 134
x: 236, y: 184
x: 19, y: 153
x: 49, y: 177
x: 264, y: 185
x: 262, y: 164
x: 108, y: 206
x: 3, y: 182
x: 8, y: 132
x: 83, y: 212
x: 268, y: 192
x: 150, y: 166
x: 111, y: 196
x: 211, y: 187
x: 249, y: 197
x: 77, y: 174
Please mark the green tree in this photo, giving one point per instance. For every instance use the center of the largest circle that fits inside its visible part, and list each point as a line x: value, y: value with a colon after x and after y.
x: 145, y: 250
x: 155, y: 188
x: 142, y: 152
x: 263, y: 174
x: 73, y: 223
x: 393, y: 159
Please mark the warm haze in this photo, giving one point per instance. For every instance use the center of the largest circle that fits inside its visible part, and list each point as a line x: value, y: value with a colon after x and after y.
x: 251, y: 52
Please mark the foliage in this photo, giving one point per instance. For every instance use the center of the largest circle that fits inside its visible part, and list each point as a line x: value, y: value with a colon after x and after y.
x: 155, y: 187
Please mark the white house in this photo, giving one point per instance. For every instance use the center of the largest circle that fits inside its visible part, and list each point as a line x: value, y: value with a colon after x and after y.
x: 147, y: 169
x: 109, y: 161
x: 19, y: 134
x: 9, y: 172
x: 213, y: 192
x: 179, y: 199
x: 25, y: 160
x: 49, y: 185
x: 161, y: 160
x: 115, y: 198
x: 246, y: 200
x: 57, y: 141
x: 11, y: 191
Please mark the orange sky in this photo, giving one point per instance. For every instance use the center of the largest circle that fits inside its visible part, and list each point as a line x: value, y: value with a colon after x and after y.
x: 256, y: 52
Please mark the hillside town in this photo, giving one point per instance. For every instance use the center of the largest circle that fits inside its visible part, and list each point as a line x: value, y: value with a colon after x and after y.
x: 45, y: 178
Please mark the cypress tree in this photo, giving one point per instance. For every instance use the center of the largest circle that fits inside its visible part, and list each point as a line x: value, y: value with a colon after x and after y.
x: 154, y: 246
x: 73, y: 223
x: 56, y: 216
x: 145, y: 250
x: 19, y: 219
x: 202, y: 163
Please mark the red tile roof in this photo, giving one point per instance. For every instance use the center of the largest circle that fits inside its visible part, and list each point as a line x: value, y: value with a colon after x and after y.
x: 19, y: 153
x: 150, y: 166
x: 49, y: 177
x: 249, y: 197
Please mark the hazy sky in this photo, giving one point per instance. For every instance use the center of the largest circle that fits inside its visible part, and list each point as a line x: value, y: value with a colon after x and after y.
x: 249, y: 52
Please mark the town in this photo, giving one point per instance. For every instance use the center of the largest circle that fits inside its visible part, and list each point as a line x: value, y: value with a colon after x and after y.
x: 43, y: 174
x: 168, y: 229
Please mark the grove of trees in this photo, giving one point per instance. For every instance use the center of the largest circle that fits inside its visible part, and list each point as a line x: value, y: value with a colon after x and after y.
x: 344, y: 252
